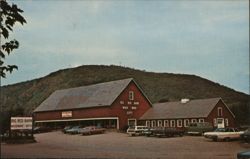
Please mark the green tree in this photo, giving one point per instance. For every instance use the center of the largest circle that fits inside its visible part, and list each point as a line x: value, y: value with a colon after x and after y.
x: 10, y: 15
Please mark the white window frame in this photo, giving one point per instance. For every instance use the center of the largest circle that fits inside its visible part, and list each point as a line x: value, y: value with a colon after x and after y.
x: 201, y: 120
x: 148, y: 123
x: 121, y: 102
x: 179, y: 123
x: 186, y: 122
x: 159, y: 123
x: 226, y: 122
x: 172, y: 123
x: 193, y: 120
x: 219, y: 111
x: 131, y: 95
x: 215, y: 122
x: 166, y: 123
x: 153, y: 123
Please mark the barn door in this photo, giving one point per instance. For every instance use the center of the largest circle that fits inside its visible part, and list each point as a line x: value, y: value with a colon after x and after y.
x: 220, y: 123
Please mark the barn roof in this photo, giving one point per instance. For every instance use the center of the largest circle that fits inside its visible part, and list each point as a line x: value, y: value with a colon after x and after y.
x: 175, y: 110
x: 102, y: 94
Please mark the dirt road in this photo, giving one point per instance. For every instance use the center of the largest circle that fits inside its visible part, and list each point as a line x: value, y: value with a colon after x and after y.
x: 119, y: 145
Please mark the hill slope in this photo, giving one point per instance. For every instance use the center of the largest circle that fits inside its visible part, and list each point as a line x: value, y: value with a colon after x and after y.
x: 157, y: 86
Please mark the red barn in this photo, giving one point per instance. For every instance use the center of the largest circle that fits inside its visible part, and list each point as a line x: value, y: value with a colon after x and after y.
x: 114, y: 104
x: 180, y: 114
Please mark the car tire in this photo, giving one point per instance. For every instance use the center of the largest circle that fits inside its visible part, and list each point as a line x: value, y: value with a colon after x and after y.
x: 227, y: 139
x: 215, y: 139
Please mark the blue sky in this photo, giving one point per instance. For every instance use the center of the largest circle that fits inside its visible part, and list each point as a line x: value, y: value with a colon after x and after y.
x: 206, y: 38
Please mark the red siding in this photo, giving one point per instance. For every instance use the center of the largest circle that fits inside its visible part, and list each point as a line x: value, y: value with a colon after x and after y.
x: 115, y: 110
x: 226, y: 114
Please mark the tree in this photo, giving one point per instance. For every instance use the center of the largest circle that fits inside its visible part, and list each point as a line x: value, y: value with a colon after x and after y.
x: 10, y: 15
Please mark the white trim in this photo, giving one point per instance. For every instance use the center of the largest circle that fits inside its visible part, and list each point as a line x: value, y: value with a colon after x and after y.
x: 41, y: 121
x: 148, y: 123
x: 201, y: 120
x: 219, y: 112
x: 172, y: 124
x: 166, y: 121
x: 158, y: 123
x: 193, y: 120
x: 186, y: 122
x: 179, y: 123
x: 153, y: 123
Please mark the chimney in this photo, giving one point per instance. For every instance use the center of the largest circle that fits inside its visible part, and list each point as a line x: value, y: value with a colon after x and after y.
x: 185, y: 100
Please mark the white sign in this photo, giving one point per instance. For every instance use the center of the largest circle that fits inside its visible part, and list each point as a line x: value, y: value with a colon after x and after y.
x: 66, y: 114
x: 21, y: 123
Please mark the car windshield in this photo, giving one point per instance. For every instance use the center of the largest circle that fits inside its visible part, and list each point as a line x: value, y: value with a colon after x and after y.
x: 219, y: 130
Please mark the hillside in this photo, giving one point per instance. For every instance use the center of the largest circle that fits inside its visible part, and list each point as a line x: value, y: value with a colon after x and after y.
x: 157, y: 86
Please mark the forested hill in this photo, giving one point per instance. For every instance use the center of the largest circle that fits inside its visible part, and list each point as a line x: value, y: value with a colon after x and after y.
x: 159, y: 87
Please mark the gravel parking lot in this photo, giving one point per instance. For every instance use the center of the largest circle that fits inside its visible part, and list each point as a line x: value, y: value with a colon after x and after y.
x: 120, y: 145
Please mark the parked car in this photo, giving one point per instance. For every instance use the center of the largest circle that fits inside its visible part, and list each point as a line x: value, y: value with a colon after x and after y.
x: 136, y: 130
x: 243, y: 155
x: 246, y: 135
x: 91, y: 130
x: 168, y: 132
x: 66, y: 128
x: 149, y: 131
x: 41, y: 129
x: 73, y: 130
x: 199, y: 128
x: 225, y: 134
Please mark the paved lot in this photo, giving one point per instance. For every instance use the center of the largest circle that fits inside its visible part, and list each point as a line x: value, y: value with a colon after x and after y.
x: 119, y: 145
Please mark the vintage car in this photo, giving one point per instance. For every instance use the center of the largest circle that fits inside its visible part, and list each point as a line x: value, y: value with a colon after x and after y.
x: 246, y: 135
x: 136, y: 130
x: 91, y: 130
x: 73, y: 130
x: 149, y: 131
x: 41, y: 129
x: 243, y: 155
x: 168, y: 132
x: 199, y: 128
x: 66, y: 128
x: 225, y: 134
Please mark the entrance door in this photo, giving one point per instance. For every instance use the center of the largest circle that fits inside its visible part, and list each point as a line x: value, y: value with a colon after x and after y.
x: 220, y: 123
x: 131, y: 122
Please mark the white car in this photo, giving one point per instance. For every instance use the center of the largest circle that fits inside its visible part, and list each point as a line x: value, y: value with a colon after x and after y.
x: 136, y: 130
x: 225, y: 134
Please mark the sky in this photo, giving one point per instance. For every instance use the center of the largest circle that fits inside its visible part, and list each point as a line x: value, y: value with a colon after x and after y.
x: 204, y: 38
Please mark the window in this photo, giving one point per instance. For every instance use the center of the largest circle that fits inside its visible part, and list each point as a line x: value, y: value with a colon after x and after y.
x: 166, y: 124
x: 172, y: 123
x: 148, y: 123
x: 186, y: 123
x: 220, y: 111
x: 201, y: 120
x: 215, y: 122
x: 193, y: 121
x: 226, y: 122
x: 153, y: 124
x: 179, y: 123
x: 159, y: 123
x: 131, y: 95
x: 121, y: 102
